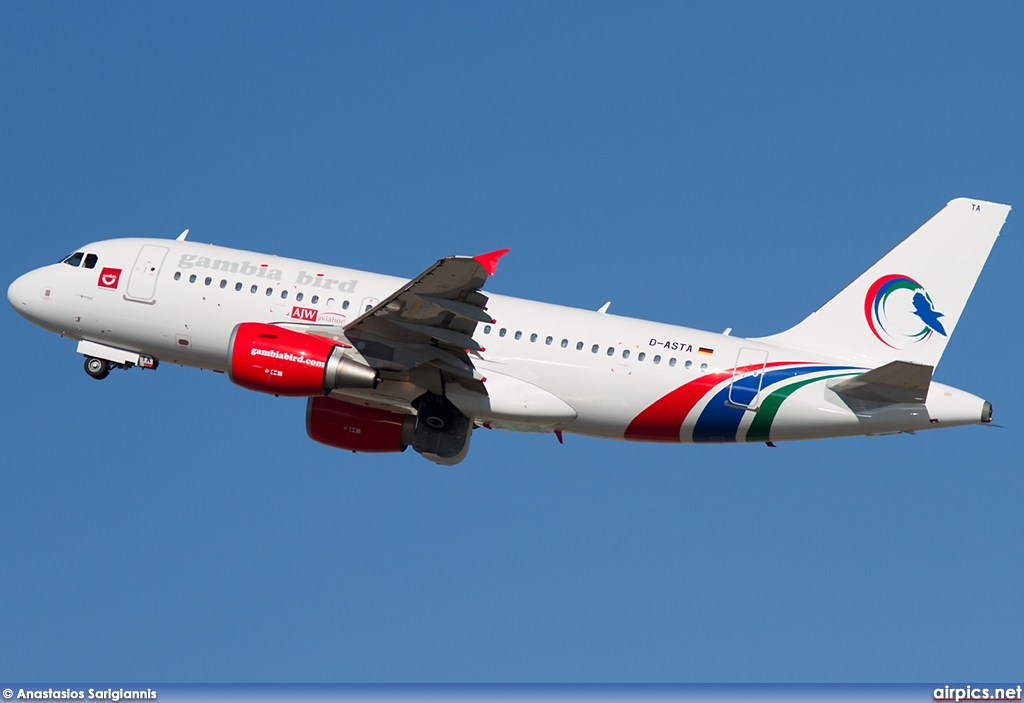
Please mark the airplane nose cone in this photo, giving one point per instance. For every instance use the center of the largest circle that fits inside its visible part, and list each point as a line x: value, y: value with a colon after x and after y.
x: 17, y: 294
x: 13, y: 293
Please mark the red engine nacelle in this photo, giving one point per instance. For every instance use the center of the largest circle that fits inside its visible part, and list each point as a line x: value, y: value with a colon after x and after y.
x: 277, y: 360
x: 337, y: 423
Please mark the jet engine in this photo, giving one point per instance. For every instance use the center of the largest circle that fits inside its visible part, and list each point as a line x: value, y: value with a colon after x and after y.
x: 357, y: 428
x: 438, y: 431
x: 273, y: 359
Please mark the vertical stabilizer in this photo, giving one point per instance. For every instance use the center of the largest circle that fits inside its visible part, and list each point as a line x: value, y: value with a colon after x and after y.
x: 906, y: 306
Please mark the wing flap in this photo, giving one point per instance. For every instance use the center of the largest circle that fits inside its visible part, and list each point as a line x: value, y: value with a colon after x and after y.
x: 459, y: 308
x: 441, y: 334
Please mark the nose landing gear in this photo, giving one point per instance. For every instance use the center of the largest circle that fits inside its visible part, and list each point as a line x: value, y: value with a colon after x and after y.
x: 97, y: 368
x: 100, y: 368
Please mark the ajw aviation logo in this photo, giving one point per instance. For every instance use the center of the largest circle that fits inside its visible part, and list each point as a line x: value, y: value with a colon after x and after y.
x: 900, y: 312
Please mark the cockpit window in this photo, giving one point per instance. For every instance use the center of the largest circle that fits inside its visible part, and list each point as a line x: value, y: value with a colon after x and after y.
x: 90, y: 261
x: 75, y: 259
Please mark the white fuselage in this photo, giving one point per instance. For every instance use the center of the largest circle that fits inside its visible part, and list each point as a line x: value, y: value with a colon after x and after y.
x: 546, y: 367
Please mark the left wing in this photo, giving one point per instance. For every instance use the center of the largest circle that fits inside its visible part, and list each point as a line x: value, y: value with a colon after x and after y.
x: 423, y: 332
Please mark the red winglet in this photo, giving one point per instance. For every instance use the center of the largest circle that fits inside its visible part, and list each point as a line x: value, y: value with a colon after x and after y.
x: 490, y: 261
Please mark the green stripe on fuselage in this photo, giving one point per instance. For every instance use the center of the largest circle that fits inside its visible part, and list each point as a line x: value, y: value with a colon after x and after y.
x: 761, y: 425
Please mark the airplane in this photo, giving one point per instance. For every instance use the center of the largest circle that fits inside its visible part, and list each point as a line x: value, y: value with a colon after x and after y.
x: 387, y: 363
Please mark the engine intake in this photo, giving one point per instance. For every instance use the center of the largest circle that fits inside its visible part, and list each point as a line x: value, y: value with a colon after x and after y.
x: 277, y: 360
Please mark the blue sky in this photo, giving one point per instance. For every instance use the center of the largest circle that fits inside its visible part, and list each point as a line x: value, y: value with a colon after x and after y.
x: 708, y: 164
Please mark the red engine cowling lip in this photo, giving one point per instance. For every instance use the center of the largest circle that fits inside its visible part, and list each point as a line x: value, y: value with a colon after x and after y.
x: 357, y: 428
x: 273, y: 359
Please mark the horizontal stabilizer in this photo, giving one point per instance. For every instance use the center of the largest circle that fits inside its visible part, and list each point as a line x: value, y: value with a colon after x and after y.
x: 896, y: 382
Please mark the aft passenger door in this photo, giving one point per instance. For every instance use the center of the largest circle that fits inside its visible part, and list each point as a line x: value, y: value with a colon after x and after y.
x: 142, y: 281
x: 747, y: 377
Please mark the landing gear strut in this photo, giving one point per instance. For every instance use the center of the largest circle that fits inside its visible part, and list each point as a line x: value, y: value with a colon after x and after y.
x: 97, y: 368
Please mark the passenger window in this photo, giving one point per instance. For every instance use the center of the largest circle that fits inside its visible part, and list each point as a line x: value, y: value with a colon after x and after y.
x: 192, y: 278
x: 315, y: 299
x: 253, y: 289
x: 487, y: 329
x: 672, y: 361
x: 625, y: 353
x: 298, y: 297
x: 703, y: 368
x: 594, y: 348
x: 657, y: 358
x: 565, y: 343
x: 238, y: 286
x: 177, y: 275
x: 641, y: 356
x: 208, y: 280
x: 284, y: 295
x: 344, y: 305
x: 75, y: 259
x: 330, y: 302
x: 579, y: 346
x: 688, y: 365
x: 533, y: 337
x: 611, y: 351
x: 90, y: 261
x: 519, y: 334
x: 501, y: 332
x: 223, y: 283
x: 270, y: 292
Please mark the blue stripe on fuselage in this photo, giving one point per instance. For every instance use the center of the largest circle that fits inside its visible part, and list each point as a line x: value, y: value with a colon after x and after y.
x: 718, y: 422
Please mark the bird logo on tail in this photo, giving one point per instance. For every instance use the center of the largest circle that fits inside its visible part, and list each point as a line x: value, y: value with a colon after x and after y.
x: 929, y: 315
x: 900, y: 313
